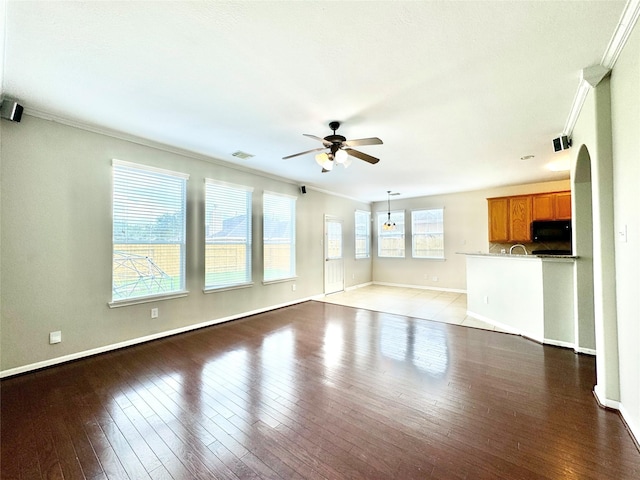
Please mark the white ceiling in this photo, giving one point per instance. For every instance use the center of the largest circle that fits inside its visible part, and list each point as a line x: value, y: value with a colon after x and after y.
x: 458, y: 91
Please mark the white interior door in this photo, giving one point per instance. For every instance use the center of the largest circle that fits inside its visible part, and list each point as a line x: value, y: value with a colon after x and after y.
x: 333, y: 261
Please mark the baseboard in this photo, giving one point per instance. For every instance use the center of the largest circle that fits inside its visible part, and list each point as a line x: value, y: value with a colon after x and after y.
x: 603, y: 401
x: 420, y: 287
x: 135, y: 341
x: 559, y: 343
x: 360, y: 285
x: 632, y: 426
x: 586, y: 351
x: 515, y: 331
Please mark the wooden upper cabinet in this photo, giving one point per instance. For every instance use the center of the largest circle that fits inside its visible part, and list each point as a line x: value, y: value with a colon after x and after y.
x: 498, y: 219
x: 543, y: 206
x: 563, y: 206
x: 510, y: 219
x: 552, y: 206
x: 520, y: 218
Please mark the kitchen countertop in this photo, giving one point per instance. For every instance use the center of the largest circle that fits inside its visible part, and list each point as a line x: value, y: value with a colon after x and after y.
x: 517, y: 255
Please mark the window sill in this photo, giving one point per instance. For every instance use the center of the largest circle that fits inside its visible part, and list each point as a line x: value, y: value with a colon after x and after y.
x: 224, y: 289
x: 149, y: 299
x: 279, y: 280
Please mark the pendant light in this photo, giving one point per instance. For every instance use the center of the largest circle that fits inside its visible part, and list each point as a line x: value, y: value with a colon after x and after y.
x: 388, y: 225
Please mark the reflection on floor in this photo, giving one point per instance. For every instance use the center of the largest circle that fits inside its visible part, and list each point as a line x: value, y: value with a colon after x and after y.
x: 446, y: 307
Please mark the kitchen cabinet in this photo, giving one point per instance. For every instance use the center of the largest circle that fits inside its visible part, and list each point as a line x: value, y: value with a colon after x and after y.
x: 498, y: 219
x: 520, y: 219
x: 551, y: 206
x: 510, y: 219
x: 563, y: 206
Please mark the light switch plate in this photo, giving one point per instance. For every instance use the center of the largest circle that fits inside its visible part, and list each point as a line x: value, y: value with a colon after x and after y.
x: 622, y: 234
x: 55, y: 337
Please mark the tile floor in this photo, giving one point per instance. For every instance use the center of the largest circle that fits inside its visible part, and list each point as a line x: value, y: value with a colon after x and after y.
x: 447, y: 307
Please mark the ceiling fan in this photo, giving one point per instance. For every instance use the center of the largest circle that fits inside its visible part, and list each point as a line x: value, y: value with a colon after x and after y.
x: 339, y: 149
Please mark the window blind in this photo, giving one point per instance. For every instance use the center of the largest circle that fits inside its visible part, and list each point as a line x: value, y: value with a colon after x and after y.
x: 363, y: 234
x: 149, y: 211
x: 227, y: 234
x: 279, y: 239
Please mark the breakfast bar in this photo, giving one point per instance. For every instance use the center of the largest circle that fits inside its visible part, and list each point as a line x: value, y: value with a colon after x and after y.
x: 529, y: 295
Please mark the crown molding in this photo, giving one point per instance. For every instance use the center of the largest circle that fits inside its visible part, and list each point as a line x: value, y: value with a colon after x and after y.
x: 593, y: 75
x: 621, y: 34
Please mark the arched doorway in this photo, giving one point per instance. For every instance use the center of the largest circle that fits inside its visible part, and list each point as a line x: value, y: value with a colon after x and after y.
x: 596, y: 322
x: 585, y: 340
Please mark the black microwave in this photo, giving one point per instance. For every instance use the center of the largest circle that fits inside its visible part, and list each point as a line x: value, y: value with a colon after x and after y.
x: 551, y: 231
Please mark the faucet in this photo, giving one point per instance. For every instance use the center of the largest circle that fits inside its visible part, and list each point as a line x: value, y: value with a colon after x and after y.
x: 518, y: 245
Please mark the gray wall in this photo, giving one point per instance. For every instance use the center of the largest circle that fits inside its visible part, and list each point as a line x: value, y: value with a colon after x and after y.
x: 56, y: 245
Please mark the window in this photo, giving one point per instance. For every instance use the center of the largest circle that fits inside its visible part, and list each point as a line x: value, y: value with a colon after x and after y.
x: 391, y: 242
x: 279, y: 236
x: 148, y: 231
x: 363, y: 234
x: 427, y: 232
x: 227, y: 257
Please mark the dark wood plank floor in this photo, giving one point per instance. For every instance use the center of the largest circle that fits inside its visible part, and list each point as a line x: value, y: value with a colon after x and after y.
x: 317, y: 391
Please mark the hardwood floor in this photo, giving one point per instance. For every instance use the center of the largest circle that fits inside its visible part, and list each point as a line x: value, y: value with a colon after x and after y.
x: 312, y: 391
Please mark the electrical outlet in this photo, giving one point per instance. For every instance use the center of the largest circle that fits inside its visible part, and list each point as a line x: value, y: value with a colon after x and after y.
x: 154, y: 313
x: 486, y: 299
x: 55, y: 337
x: 293, y: 287
x: 434, y: 278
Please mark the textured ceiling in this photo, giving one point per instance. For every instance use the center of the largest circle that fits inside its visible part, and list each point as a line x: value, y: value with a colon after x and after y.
x: 458, y: 91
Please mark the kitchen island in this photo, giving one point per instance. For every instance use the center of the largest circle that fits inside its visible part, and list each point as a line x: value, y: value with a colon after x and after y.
x: 527, y: 295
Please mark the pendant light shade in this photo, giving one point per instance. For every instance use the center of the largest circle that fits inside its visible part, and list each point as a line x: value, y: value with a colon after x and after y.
x: 388, y: 225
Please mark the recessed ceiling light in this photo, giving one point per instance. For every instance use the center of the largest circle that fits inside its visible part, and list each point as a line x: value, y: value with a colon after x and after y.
x: 527, y: 157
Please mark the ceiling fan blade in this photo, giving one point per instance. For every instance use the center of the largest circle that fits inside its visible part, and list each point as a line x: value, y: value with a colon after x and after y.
x: 363, y: 141
x: 362, y: 156
x: 318, y: 138
x: 303, y: 153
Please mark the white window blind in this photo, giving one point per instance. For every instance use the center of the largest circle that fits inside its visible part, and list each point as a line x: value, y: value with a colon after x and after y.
x: 227, y: 234
x: 391, y: 242
x: 149, y: 207
x: 363, y: 234
x: 427, y: 232
x: 279, y: 236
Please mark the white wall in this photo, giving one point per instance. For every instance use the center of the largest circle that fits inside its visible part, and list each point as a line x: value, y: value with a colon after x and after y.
x: 606, y: 134
x: 625, y: 110
x: 56, y: 244
x: 465, y: 230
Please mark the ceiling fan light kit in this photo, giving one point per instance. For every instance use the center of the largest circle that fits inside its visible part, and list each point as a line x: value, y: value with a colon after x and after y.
x: 340, y: 150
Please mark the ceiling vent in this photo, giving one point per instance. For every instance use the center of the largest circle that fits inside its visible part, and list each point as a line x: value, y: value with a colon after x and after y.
x: 242, y: 155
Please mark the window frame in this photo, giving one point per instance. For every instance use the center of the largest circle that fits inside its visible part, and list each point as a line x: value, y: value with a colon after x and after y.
x: 291, y: 238
x: 248, y: 238
x: 399, y: 220
x: 414, y: 235
x: 367, y: 236
x: 135, y: 261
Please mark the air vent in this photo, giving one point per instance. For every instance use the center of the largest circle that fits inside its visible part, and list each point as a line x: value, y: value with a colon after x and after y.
x: 242, y: 155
